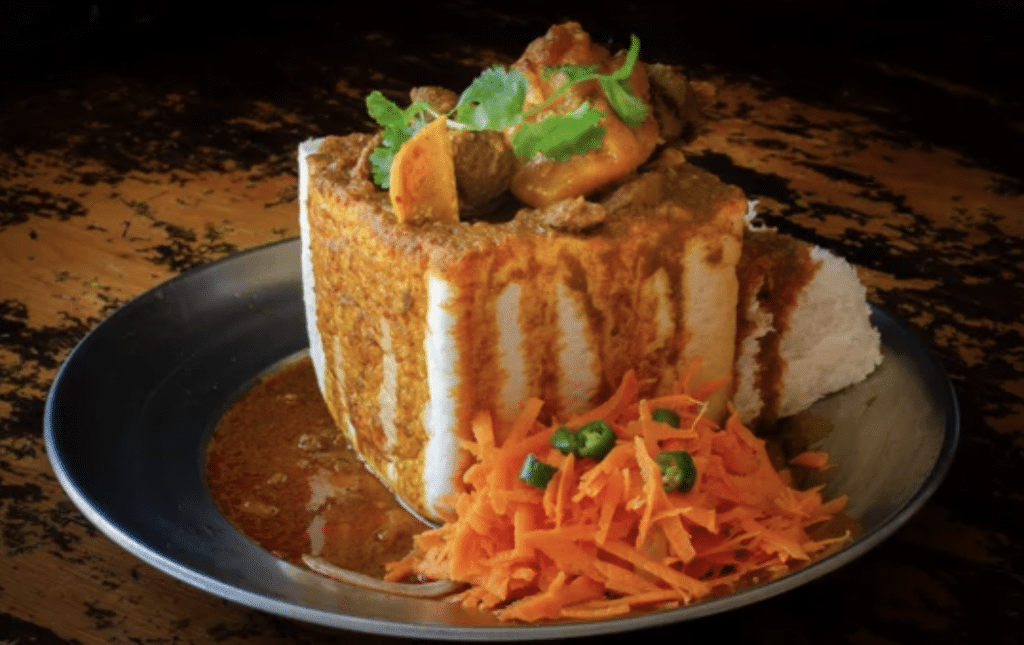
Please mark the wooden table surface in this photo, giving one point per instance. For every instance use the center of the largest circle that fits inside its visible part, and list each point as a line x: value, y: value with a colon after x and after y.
x: 144, y: 139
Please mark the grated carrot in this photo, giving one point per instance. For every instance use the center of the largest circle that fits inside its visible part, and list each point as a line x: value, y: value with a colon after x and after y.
x: 813, y: 459
x: 604, y: 538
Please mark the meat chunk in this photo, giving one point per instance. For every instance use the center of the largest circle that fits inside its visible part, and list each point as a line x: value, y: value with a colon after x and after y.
x: 484, y: 161
x: 542, y: 181
x: 678, y: 103
x: 575, y: 215
x: 441, y: 99
x: 484, y: 165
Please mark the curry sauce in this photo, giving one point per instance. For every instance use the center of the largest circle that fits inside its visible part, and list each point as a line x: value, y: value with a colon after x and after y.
x: 280, y: 471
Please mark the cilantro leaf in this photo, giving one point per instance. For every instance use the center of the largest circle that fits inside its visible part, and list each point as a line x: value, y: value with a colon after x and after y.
x: 573, y: 73
x: 560, y: 136
x: 631, y: 109
x: 382, y: 110
x: 397, y: 127
x: 632, y: 56
x: 628, y: 106
x: 494, y: 101
x: 381, y: 158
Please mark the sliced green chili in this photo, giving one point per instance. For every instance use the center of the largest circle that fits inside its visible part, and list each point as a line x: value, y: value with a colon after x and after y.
x: 535, y: 472
x: 595, y: 440
x: 668, y: 416
x: 564, y: 440
x: 678, y: 472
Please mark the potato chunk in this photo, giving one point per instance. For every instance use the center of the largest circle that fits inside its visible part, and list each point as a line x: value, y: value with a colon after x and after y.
x: 542, y: 181
x: 423, y: 178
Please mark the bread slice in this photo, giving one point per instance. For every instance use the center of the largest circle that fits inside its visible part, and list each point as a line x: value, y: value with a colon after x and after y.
x: 413, y: 329
x: 804, y: 328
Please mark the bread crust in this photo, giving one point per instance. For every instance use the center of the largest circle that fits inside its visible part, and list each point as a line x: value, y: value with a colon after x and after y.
x: 647, y: 285
x: 803, y: 328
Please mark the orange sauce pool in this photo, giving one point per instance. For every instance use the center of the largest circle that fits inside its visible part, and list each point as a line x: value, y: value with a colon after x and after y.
x: 280, y: 471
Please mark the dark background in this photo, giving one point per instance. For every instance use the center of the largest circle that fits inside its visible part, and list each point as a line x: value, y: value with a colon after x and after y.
x: 893, y: 60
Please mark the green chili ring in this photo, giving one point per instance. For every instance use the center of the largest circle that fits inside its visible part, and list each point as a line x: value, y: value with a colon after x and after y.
x: 535, y: 472
x: 668, y: 416
x: 564, y: 440
x: 678, y: 472
x: 595, y: 440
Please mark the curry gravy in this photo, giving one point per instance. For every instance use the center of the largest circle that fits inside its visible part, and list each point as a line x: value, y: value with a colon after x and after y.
x: 280, y: 471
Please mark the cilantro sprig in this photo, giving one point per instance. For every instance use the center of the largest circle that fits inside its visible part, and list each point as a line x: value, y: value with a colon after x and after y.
x: 615, y: 85
x: 495, y: 101
x: 397, y: 127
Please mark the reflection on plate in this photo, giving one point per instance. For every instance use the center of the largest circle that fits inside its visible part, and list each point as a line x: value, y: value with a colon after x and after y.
x: 132, y: 409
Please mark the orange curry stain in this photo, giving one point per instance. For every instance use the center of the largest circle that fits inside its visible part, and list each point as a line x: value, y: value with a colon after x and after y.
x: 281, y: 472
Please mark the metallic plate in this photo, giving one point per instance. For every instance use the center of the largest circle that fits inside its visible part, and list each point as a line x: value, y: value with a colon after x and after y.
x: 131, y: 411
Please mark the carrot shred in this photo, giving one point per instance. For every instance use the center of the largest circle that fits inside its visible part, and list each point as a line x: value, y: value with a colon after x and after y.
x: 483, y: 431
x: 568, y: 473
x: 603, y: 538
x: 522, y: 424
x: 626, y: 394
x: 813, y: 459
x: 612, y: 498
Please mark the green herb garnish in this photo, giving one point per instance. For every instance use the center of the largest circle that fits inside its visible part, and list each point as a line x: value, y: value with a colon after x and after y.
x: 494, y: 101
x: 560, y: 136
x: 668, y: 416
x: 397, y: 127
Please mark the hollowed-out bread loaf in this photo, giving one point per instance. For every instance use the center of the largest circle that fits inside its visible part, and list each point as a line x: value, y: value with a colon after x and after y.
x: 414, y: 328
